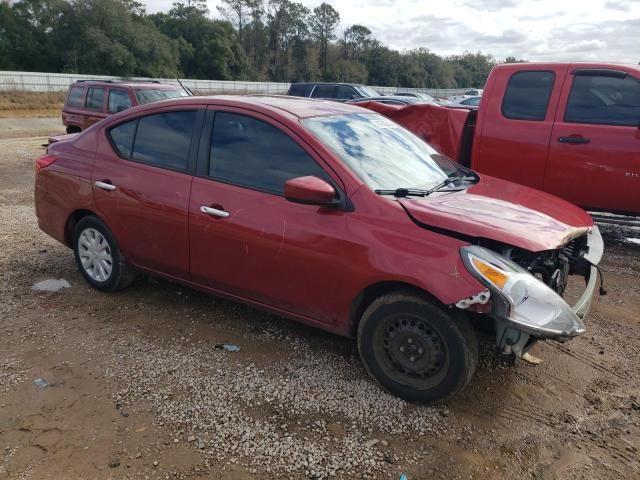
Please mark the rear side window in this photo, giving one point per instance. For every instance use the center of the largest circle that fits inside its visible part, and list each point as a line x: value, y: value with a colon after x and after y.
x: 118, y: 101
x: 325, y: 91
x: 527, y: 95
x: 300, y: 90
x: 122, y: 137
x: 95, y: 99
x: 604, y: 100
x: 163, y: 139
x: 251, y: 153
x: 76, y: 97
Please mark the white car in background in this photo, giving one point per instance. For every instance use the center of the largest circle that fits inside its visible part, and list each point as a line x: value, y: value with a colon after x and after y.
x: 465, y: 101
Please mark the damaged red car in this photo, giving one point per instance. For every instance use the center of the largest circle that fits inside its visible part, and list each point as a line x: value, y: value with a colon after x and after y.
x: 328, y: 214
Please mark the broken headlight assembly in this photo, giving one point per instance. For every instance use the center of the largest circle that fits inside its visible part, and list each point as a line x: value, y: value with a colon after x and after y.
x: 521, y: 302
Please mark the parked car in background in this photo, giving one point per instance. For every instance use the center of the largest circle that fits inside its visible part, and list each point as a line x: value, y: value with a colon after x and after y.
x: 396, y: 100
x: 468, y: 102
x: 474, y: 92
x: 570, y: 129
x: 89, y: 101
x: 328, y: 214
x: 340, y: 92
x: 415, y: 95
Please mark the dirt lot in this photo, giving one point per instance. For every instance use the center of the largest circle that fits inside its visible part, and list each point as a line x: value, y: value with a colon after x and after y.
x: 137, y: 389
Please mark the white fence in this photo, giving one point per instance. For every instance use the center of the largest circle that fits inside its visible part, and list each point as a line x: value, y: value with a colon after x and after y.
x: 59, y: 82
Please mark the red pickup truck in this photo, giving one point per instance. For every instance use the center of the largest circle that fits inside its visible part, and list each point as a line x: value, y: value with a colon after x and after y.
x: 571, y: 129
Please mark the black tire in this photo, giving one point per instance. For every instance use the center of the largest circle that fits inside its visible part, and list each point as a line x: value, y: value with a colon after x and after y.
x: 415, y: 350
x: 120, y: 275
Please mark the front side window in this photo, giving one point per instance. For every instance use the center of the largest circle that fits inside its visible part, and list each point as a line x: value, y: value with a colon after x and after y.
x: 527, y: 95
x: 249, y: 152
x: 149, y: 95
x: 95, y: 99
x: 346, y: 93
x: 604, y: 100
x: 118, y: 101
x: 381, y: 153
x: 76, y: 97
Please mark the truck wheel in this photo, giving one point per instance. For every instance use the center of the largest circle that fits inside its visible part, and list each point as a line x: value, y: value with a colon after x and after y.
x: 414, y: 350
x: 98, y: 257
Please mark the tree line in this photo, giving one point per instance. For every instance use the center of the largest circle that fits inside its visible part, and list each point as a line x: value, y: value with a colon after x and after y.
x: 260, y: 40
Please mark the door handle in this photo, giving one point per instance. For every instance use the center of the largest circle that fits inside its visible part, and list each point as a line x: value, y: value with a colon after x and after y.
x: 214, y: 211
x: 109, y: 187
x: 574, y: 140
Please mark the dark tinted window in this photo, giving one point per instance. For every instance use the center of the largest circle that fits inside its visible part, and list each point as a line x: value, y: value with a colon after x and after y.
x: 472, y: 102
x: 325, y: 91
x: 300, y: 89
x: 122, y: 137
x: 604, y: 100
x: 149, y: 95
x: 95, y: 98
x: 118, y: 100
x: 527, y: 95
x: 346, y: 93
x: 252, y: 153
x: 163, y: 139
x: 76, y: 97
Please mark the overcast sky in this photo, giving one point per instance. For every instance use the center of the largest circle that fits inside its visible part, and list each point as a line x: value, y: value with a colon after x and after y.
x: 607, y: 30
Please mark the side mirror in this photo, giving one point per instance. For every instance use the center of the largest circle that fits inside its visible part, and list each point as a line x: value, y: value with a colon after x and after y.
x: 311, y: 191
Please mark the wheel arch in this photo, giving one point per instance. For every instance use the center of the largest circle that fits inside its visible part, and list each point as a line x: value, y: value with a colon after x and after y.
x: 73, y: 220
x: 369, y: 294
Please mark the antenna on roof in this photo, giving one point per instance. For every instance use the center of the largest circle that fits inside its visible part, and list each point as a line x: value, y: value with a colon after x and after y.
x: 191, y: 94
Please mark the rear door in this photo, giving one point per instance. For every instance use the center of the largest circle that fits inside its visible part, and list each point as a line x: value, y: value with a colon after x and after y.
x: 261, y: 246
x: 516, y: 128
x: 73, y: 111
x: 142, y: 180
x: 95, y: 106
x: 594, y: 156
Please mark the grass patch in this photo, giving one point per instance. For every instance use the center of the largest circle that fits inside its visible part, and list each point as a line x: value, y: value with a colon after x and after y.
x: 14, y: 100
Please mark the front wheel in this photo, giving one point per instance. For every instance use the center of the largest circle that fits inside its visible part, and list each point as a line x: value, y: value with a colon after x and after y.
x: 415, y: 350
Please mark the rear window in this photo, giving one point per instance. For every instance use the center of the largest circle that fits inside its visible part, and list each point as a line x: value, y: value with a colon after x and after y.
x: 163, y: 139
x: 95, y: 99
x: 157, y: 94
x: 527, y: 95
x: 76, y: 97
x: 604, y: 100
x: 325, y: 91
x: 300, y: 90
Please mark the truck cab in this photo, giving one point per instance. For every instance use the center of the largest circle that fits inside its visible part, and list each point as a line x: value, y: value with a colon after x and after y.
x: 568, y: 129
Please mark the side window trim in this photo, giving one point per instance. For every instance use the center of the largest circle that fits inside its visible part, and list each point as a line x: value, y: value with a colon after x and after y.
x: 193, y: 145
x: 206, y: 137
x: 546, y: 110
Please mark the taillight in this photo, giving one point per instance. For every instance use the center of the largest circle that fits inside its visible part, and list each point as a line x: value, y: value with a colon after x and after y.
x: 44, y: 161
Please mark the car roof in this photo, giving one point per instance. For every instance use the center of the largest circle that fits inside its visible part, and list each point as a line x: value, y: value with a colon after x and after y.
x: 330, y: 83
x: 297, y: 107
x: 124, y: 83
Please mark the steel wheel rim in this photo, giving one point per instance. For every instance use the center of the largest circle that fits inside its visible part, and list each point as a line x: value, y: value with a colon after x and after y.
x: 95, y: 255
x: 412, y: 351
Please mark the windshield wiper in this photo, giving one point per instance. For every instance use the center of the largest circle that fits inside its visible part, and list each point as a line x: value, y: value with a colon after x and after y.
x: 416, y: 192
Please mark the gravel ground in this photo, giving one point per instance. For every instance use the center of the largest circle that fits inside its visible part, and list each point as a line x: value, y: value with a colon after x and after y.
x: 137, y: 389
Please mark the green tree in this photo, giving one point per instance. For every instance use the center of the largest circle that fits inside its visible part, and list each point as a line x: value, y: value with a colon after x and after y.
x: 323, y: 24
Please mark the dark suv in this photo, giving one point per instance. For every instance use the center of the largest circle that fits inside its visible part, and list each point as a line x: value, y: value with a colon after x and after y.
x: 340, y: 92
x: 89, y: 101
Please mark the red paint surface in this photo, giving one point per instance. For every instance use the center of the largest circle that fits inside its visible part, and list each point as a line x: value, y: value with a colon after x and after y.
x: 306, y: 262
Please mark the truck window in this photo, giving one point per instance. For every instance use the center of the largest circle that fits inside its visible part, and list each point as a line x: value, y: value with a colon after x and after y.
x: 76, y: 97
x: 325, y: 91
x: 300, y: 90
x: 527, y: 95
x: 604, y: 100
x: 95, y: 99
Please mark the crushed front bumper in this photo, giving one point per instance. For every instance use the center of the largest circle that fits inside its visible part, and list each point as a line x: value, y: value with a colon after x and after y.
x: 595, y: 247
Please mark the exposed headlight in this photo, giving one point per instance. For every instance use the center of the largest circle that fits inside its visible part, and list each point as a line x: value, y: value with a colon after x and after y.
x: 527, y: 302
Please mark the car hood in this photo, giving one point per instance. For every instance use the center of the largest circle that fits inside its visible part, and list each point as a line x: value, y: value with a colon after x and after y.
x: 502, y: 211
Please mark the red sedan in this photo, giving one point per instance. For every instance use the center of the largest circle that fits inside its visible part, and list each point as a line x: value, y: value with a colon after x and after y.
x: 326, y: 213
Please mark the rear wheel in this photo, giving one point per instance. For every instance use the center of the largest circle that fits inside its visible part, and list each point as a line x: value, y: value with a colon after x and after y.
x: 415, y: 350
x: 98, y: 257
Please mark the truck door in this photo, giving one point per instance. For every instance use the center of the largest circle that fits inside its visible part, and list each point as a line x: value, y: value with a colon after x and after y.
x: 514, y: 128
x: 594, y: 154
